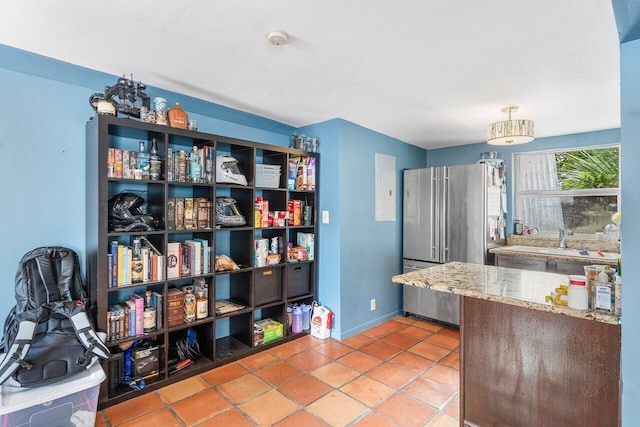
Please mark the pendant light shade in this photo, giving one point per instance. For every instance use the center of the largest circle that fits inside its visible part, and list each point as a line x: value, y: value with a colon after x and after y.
x: 510, y: 132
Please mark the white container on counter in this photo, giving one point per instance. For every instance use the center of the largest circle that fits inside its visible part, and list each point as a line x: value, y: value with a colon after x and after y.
x: 578, y: 295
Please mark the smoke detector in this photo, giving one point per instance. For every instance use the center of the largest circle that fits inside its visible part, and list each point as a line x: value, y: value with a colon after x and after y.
x: 277, y: 37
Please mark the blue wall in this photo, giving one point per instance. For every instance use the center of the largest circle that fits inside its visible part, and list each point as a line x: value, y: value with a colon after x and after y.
x: 359, y: 254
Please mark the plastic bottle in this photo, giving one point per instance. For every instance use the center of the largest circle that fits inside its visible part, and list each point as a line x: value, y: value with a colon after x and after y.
x: 306, y: 316
x: 297, y: 320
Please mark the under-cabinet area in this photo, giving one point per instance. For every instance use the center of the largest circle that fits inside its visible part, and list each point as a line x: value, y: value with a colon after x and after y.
x: 198, y: 254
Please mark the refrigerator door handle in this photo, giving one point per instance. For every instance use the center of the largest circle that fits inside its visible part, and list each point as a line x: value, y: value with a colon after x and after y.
x: 432, y: 215
x: 444, y: 223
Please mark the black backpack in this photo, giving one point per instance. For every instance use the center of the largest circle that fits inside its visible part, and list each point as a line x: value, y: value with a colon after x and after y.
x: 48, y: 335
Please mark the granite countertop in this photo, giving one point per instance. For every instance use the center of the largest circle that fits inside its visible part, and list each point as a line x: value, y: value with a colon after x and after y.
x: 523, y: 288
x: 568, y: 254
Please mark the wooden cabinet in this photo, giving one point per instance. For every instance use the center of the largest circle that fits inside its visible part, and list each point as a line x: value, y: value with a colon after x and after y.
x: 264, y: 291
x: 524, y: 367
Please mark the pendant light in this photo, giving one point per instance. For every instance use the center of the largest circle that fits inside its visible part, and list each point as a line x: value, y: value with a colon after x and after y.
x: 510, y: 132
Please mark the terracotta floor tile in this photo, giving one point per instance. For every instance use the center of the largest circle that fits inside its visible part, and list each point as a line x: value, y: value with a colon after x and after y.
x: 428, y: 350
x: 333, y: 349
x: 416, y: 332
x: 373, y: 419
x: 301, y: 418
x: 412, y: 362
x: 367, y: 390
x: 450, y: 332
x: 453, y: 407
x: 160, y: 417
x: 287, y: 349
x: 405, y: 411
x: 400, y: 340
x: 335, y: 374
x: 101, y: 421
x: 337, y: 409
x: 376, y: 332
x: 442, y: 420
x: 132, y: 408
x: 279, y: 373
x: 308, y: 360
x: 391, y: 375
x: 393, y: 325
x: 224, y: 373
x: 429, y: 392
x: 435, y: 327
x: 180, y: 390
x: 406, y: 320
x: 443, y: 375
x: 381, y: 350
x: 359, y: 361
x: 357, y: 341
x: 200, y: 407
x: 305, y: 389
x: 270, y: 407
x: 258, y: 360
x: 244, y: 388
x: 310, y: 341
x: 444, y: 341
x: 451, y: 360
x: 232, y: 417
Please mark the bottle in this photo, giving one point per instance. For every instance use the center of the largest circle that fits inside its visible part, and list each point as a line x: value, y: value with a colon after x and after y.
x: 177, y: 117
x: 149, y: 319
x: 189, y: 307
x: 136, y: 262
x: 297, y: 320
x: 143, y: 160
x: 306, y: 316
x: 155, y: 162
x: 518, y: 229
x: 202, y: 308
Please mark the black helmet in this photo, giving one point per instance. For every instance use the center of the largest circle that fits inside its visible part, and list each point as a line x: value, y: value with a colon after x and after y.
x: 125, y: 214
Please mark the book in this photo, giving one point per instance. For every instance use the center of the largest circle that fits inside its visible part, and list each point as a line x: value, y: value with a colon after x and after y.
x: 175, y: 307
x: 227, y: 306
x: 171, y: 213
x: 157, y: 303
x: 179, y: 214
x: 113, y: 250
x: 120, y: 261
x: 132, y: 317
x: 146, y: 265
x: 188, y: 214
x: 196, y: 256
x: 205, y: 255
x: 174, y: 260
x: 125, y: 328
x: 139, y: 302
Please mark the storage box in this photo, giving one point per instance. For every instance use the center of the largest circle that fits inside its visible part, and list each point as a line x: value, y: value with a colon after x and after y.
x: 267, y: 330
x: 267, y: 176
x: 72, y: 402
x: 298, y: 280
x: 268, y: 285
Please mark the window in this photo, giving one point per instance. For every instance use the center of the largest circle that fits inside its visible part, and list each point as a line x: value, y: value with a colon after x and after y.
x: 571, y: 190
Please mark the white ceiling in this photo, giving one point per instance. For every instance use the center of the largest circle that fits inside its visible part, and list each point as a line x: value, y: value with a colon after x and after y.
x: 432, y: 73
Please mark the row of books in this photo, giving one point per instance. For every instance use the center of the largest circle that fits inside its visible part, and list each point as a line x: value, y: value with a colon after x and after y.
x: 135, y: 316
x: 189, y: 258
x: 123, y: 266
x: 196, y: 166
x: 188, y: 213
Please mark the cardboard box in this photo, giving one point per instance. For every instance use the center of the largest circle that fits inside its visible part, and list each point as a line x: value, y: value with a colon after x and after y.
x: 58, y: 404
x: 271, y: 331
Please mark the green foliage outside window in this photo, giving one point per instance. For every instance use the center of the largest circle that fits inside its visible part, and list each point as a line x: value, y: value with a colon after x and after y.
x: 587, y: 169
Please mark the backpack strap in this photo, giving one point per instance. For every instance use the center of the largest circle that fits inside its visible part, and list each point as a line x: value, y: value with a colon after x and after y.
x: 48, y: 277
x: 68, y: 267
x: 14, y: 358
x: 74, y: 311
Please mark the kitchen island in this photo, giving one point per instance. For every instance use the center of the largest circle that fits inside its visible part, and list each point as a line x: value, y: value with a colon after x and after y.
x: 523, y: 361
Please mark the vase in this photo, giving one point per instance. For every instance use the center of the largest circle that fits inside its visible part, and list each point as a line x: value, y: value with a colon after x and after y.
x: 160, y: 107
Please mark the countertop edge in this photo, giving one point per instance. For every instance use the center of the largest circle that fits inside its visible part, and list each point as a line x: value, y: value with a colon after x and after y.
x: 504, y: 250
x: 548, y: 307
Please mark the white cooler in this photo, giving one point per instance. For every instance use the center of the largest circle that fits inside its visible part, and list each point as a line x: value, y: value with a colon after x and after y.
x: 69, y: 403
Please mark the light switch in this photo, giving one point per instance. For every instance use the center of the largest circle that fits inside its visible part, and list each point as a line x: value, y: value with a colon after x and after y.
x: 325, y: 217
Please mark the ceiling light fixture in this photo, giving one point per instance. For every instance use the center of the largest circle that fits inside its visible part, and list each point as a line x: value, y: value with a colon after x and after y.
x: 277, y: 37
x: 510, y: 132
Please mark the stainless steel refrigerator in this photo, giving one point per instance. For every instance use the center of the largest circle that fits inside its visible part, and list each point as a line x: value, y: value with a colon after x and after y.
x: 450, y: 213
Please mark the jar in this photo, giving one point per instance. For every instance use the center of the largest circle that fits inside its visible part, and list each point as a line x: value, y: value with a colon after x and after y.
x: 518, y: 228
x: 578, y: 296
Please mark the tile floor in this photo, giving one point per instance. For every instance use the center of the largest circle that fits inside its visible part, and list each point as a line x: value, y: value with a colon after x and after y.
x: 403, y: 372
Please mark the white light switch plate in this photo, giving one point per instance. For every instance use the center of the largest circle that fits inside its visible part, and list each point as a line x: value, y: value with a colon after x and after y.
x: 325, y: 217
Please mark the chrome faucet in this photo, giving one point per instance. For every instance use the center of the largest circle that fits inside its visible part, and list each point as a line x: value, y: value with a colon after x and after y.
x: 562, y: 237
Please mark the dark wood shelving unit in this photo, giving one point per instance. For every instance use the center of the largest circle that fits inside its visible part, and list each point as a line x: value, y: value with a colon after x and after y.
x: 222, y: 338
